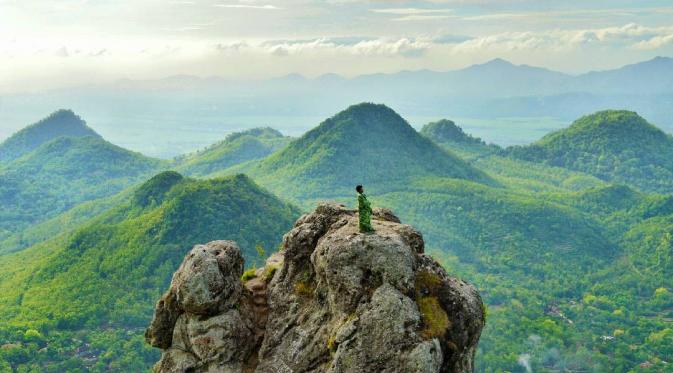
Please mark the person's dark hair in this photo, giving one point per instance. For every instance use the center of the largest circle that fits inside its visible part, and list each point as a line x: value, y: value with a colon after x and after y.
x: 358, y: 188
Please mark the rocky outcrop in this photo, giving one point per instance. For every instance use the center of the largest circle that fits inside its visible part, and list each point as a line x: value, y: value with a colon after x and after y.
x: 332, y: 300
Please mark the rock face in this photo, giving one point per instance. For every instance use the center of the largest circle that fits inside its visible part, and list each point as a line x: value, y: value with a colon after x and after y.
x: 333, y: 300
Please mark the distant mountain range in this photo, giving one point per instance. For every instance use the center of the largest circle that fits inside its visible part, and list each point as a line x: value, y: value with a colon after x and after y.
x: 194, y: 107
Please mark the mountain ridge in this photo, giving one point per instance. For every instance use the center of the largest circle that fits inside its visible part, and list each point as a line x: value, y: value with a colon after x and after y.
x: 59, y: 123
x: 63, y: 172
x: 363, y: 144
x: 98, y: 282
x: 236, y: 148
x: 615, y: 145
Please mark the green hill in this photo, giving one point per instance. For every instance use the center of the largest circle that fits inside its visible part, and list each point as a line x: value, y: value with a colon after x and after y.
x: 575, y: 271
x: 236, y: 148
x: 85, y: 297
x: 614, y: 145
x: 451, y: 137
x: 62, y: 173
x: 447, y: 131
x: 59, y: 123
x: 534, y: 240
x: 364, y: 144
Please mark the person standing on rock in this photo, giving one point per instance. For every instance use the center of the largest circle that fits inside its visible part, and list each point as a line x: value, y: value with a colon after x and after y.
x: 364, y: 211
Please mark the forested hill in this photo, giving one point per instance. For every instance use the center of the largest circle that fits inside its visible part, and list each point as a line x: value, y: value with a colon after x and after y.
x: 63, y: 173
x: 366, y: 143
x: 236, y: 148
x: 450, y: 136
x: 447, y: 131
x: 93, y: 291
x: 59, y: 123
x: 614, y: 145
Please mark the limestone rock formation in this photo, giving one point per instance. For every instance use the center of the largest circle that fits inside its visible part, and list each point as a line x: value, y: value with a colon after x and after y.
x: 332, y: 300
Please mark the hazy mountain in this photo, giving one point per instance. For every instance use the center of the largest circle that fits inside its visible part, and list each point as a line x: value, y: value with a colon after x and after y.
x: 614, y: 145
x: 237, y: 148
x: 175, y: 115
x: 451, y: 137
x: 90, y: 293
x: 59, y: 123
x: 446, y: 131
x: 650, y: 77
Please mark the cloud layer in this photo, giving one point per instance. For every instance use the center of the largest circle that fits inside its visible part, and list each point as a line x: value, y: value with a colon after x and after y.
x: 47, y: 44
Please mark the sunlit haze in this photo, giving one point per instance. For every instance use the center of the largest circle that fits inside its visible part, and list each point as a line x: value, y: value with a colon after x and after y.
x: 53, y: 44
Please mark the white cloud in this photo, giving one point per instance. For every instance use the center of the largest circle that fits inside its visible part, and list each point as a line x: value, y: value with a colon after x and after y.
x: 589, y: 14
x: 655, y: 42
x: 247, y: 6
x: 629, y: 36
x: 410, y: 11
x: 421, y: 17
x: 415, y: 14
x: 367, y: 47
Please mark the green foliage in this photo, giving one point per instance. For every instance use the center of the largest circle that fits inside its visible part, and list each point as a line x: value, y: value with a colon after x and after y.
x: 103, y: 279
x: 451, y: 137
x: 62, y: 173
x: 60, y: 123
x: 249, y: 274
x: 446, y: 130
x: 535, y: 243
x: 574, y: 271
x: 435, y: 319
x: 237, y: 148
x: 153, y: 191
x: 614, y: 145
x: 269, y: 271
x: 363, y: 144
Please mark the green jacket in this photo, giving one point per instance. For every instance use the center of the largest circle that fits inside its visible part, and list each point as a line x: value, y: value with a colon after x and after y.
x: 365, y: 213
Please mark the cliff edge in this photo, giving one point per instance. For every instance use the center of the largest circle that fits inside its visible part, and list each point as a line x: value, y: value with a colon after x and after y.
x: 332, y: 300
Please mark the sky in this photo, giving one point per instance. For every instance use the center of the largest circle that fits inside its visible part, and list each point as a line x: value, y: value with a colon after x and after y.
x: 47, y: 44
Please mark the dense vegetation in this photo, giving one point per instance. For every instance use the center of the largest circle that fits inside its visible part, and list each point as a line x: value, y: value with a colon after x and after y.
x: 236, y: 148
x: 614, y: 145
x: 368, y: 143
x: 447, y: 134
x: 59, y: 123
x: 81, y: 301
x: 575, y: 271
x: 62, y: 173
x: 538, y: 242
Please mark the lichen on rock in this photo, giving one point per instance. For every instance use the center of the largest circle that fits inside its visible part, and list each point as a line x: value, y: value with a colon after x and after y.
x: 332, y: 300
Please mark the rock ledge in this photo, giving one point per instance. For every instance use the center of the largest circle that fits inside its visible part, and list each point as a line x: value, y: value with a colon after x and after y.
x: 332, y: 300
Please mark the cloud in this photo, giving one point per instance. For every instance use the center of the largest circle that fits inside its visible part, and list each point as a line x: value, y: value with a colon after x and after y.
x: 98, y: 53
x: 62, y: 52
x: 406, y: 47
x: 230, y: 48
x: 588, y: 14
x: 655, y: 42
x: 409, y: 11
x: 247, y: 6
x: 627, y: 36
x: 415, y: 14
x: 421, y: 17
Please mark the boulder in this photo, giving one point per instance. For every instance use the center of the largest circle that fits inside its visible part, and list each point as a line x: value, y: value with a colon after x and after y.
x: 335, y: 300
